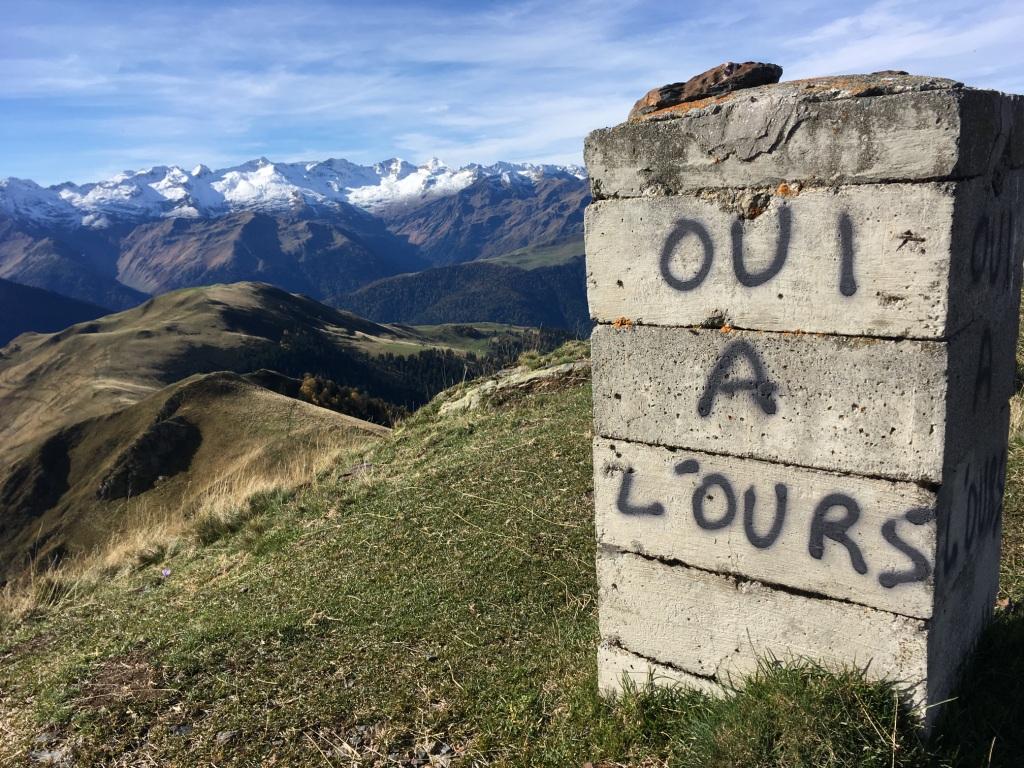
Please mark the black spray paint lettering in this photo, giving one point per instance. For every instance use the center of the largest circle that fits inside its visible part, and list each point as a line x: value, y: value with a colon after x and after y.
x: 700, y: 495
x: 993, y: 250
x: 980, y: 515
x: 754, y: 279
x: 678, y: 234
x: 983, y: 374
x: 626, y: 507
x: 749, y: 502
x: 685, y: 228
x: 984, y: 500
x: 823, y: 522
x: 921, y: 569
x: 823, y: 527
x: 760, y: 387
x: 847, y: 282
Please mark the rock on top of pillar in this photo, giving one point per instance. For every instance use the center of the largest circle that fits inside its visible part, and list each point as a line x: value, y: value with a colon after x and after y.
x: 854, y: 129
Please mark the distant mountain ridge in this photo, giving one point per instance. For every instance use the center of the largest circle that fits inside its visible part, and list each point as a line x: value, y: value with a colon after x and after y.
x: 325, y: 229
x: 493, y: 216
x: 536, y: 286
x: 260, y: 185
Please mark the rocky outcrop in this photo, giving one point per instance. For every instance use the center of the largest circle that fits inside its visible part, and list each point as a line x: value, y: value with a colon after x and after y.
x: 724, y: 78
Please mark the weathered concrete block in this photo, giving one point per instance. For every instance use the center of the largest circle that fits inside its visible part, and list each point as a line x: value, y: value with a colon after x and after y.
x: 896, y: 260
x: 808, y: 296
x: 833, y: 535
x: 788, y: 132
x: 718, y: 626
x: 903, y: 410
x: 615, y: 666
x: 896, y: 546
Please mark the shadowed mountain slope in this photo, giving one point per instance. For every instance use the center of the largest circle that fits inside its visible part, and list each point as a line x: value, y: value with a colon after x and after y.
x: 494, y: 216
x: 321, y: 257
x: 211, y: 439
x: 24, y: 309
x: 488, y: 290
x: 76, y: 262
x: 48, y: 382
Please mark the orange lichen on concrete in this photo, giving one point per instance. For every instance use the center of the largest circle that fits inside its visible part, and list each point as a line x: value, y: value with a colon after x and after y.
x: 842, y: 86
x: 622, y: 322
x: 787, y: 190
x: 687, y: 106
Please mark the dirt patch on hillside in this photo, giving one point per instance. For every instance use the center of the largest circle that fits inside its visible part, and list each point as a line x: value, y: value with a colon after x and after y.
x: 123, y: 679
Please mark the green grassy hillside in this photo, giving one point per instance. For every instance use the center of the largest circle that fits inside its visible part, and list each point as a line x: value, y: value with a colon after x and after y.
x: 51, y: 381
x: 431, y: 601
x: 79, y: 403
x: 185, y: 451
x: 536, y: 256
x: 535, y: 286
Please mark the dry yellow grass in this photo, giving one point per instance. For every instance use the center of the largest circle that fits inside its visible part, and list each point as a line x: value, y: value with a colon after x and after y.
x: 1016, y: 414
x: 259, y: 442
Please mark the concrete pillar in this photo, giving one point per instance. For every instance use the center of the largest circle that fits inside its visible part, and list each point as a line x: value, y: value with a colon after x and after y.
x: 807, y: 296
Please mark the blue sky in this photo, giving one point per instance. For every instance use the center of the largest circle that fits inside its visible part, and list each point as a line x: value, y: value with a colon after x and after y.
x: 91, y: 88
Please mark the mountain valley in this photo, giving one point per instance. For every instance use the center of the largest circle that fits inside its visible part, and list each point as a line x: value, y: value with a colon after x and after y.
x: 111, y: 420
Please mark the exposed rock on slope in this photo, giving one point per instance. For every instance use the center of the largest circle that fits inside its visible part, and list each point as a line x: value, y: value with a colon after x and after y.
x: 164, y: 449
x: 516, y: 381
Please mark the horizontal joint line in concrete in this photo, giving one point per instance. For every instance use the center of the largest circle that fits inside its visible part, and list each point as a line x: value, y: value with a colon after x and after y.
x: 928, y: 485
x: 805, y: 184
x: 615, y: 643
x: 740, y: 578
x: 796, y: 332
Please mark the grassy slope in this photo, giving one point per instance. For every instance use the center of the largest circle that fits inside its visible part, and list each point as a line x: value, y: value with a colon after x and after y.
x: 536, y: 256
x: 48, y: 382
x: 444, y: 599
x: 249, y: 439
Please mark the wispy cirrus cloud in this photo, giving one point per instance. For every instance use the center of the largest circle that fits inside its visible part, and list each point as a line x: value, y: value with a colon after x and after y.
x: 84, y: 89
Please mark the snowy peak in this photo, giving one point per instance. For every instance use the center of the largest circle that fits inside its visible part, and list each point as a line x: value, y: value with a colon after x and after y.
x: 24, y: 199
x: 260, y: 184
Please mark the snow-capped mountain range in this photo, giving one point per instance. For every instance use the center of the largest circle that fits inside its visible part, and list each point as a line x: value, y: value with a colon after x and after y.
x: 173, y: 192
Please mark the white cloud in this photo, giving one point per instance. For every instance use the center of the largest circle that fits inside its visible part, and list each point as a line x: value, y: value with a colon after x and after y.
x: 166, y: 82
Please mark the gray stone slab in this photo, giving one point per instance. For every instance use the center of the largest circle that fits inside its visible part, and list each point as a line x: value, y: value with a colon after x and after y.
x: 902, y: 410
x: 765, y: 136
x: 771, y: 522
x: 894, y: 260
x: 718, y: 626
x: 899, y: 547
